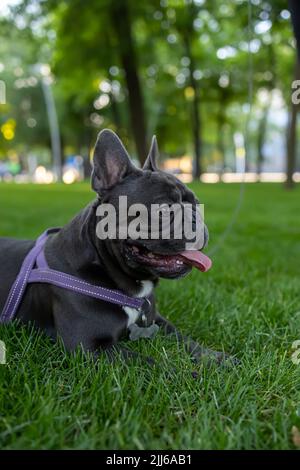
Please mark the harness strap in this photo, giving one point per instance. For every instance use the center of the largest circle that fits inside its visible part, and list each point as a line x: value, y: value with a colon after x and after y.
x: 35, y: 269
x: 72, y: 283
x: 18, y: 288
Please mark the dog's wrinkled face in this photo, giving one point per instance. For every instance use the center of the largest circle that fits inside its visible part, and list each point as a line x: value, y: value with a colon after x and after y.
x: 114, y: 176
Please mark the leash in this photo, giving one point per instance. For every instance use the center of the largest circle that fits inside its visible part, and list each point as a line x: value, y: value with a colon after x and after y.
x: 35, y: 270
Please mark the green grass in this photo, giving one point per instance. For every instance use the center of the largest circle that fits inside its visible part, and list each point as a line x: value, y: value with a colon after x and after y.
x: 248, y: 304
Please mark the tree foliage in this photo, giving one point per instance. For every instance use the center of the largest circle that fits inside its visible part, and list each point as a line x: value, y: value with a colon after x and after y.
x: 177, y: 68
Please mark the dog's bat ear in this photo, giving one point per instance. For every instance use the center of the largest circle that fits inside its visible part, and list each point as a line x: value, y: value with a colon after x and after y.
x: 150, y: 163
x: 111, y: 162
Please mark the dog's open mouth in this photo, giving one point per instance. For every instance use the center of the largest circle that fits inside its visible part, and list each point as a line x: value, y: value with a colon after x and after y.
x: 170, y: 263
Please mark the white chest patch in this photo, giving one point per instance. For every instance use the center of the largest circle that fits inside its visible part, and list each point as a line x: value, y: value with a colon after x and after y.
x: 133, y: 313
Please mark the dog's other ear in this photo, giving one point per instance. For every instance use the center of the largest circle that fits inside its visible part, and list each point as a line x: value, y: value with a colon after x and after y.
x: 150, y: 163
x: 111, y: 162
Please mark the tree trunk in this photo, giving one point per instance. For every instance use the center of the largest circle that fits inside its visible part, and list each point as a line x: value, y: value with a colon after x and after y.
x: 115, y: 114
x: 292, y: 139
x: 221, y: 120
x: 221, y: 145
x: 294, y: 7
x: 261, y: 139
x: 196, y: 122
x: 122, y: 24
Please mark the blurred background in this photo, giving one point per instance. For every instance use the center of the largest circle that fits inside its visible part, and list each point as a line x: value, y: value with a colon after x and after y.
x: 202, y: 75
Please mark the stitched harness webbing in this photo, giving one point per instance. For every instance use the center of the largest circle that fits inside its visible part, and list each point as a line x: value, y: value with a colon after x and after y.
x: 35, y: 269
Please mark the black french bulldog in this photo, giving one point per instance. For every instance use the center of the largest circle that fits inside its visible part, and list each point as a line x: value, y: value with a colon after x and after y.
x: 97, y: 325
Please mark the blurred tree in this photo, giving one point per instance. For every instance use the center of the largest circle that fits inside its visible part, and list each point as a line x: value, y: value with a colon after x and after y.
x: 185, y: 21
x: 121, y: 21
x: 25, y: 107
x: 101, y: 39
x: 181, y: 68
x: 292, y: 123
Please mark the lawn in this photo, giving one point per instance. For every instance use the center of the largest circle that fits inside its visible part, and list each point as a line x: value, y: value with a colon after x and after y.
x: 248, y: 305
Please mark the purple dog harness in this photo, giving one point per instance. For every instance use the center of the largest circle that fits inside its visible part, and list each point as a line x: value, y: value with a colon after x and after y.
x: 36, y: 270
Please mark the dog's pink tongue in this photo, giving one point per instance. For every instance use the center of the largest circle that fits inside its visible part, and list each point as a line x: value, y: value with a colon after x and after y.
x: 197, y: 259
